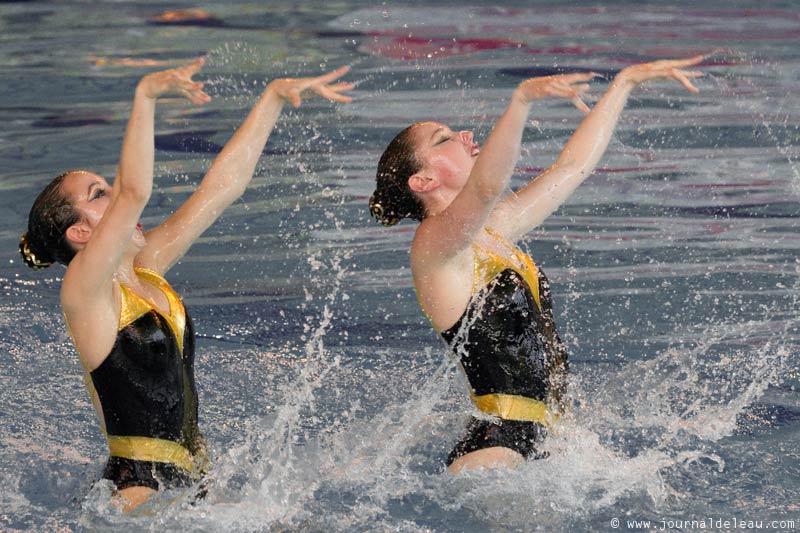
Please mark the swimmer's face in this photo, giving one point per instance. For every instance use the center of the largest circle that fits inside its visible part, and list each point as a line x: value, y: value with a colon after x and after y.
x: 90, y: 195
x: 446, y: 155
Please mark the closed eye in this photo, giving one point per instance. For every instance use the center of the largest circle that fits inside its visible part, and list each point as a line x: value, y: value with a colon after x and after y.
x: 444, y: 139
x: 98, y: 193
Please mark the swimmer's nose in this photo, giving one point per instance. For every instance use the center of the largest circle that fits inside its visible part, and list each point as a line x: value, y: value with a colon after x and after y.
x: 466, y: 136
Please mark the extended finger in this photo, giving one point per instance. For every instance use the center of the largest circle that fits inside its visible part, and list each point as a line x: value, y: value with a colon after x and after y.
x: 325, y: 79
x: 195, y: 97
x: 200, y: 98
x: 679, y: 63
x: 578, y: 77
x: 580, y: 88
x: 339, y: 87
x: 193, y: 67
x: 189, y: 86
x: 194, y: 93
x: 580, y: 104
x: 331, y: 95
x: 565, y: 90
x: 681, y: 77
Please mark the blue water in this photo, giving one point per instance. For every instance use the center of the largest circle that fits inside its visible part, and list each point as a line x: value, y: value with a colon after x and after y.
x: 328, y: 400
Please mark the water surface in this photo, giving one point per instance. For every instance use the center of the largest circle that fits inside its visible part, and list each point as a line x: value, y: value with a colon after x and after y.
x: 328, y: 399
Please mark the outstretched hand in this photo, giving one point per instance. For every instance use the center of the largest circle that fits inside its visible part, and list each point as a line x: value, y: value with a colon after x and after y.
x: 569, y: 86
x: 663, y: 69
x: 293, y: 90
x: 176, y: 81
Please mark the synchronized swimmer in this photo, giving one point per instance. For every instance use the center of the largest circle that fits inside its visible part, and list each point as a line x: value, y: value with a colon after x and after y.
x: 485, y: 296
x: 132, y: 332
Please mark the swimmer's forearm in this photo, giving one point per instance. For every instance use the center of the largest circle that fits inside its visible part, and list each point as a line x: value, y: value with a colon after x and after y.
x: 589, y: 142
x: 502, y: 149
x: 233, y: 168
x: 495, y: 165
x: 91, y: 271
x: 134, y: 178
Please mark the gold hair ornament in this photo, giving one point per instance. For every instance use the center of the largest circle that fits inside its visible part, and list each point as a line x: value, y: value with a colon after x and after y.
x: 379, y: 214
x: 30, y: 257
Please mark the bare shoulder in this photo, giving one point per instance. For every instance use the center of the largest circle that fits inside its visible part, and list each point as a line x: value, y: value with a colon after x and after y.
x: 92, y: 318
x: 443, y: 286
x: 71, y: 286
x: 426, y: 254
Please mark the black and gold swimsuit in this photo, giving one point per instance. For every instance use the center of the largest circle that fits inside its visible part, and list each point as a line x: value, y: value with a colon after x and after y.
x: 147, y: 393
x: 508, y: 346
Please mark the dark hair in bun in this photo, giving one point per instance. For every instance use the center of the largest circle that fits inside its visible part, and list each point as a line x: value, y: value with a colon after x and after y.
x: 51, y: 215
x: 393, y: 200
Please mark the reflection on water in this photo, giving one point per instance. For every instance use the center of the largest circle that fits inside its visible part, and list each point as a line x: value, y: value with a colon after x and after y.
x: 328, y: 399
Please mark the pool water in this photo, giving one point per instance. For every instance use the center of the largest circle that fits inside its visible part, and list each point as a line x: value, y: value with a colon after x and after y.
x: 328, y: 400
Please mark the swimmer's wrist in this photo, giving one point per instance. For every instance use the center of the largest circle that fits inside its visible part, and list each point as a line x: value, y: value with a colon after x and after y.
x: 272, y: 92
x: 521, y: 98
x: 623, y: 79
x: 143, y: 90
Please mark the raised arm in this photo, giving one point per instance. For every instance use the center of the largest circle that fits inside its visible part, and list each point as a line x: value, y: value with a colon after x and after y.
x: 135, y: 170
x: 527, y: 208
x: 93, y: 267
x: 232, y: 169
x: 452, y: 231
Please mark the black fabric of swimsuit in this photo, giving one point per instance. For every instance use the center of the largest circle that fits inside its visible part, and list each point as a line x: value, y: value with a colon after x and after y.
x: 146, y: 388
x: 127, y: 473
x: 522, y: 437
x: 507, y: 345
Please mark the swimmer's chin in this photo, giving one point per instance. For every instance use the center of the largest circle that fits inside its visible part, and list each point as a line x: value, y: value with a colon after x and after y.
x: 138, y: 238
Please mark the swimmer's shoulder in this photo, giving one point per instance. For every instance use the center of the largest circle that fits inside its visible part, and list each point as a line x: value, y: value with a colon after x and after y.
x: 91, y: 317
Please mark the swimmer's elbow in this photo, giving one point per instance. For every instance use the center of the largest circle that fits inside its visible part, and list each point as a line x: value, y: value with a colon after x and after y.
x: 573, y: 168
x: 136, y: 194
x: 488, y: 192
x: 487, y: 188
x: 227, y: 188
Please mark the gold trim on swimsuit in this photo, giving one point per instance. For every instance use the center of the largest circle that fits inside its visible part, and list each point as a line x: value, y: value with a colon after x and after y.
x: 491, y: 264
x: 156, y: 450
x: 132, y: 306
x: 513, y: 407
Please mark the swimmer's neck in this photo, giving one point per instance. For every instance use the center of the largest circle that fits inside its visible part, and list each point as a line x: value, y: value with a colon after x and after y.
x: 125, y: 273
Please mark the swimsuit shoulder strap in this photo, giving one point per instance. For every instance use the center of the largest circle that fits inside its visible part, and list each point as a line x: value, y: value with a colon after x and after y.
x: 131, y: 306
x: 177, y: 313
x: 488, y: 264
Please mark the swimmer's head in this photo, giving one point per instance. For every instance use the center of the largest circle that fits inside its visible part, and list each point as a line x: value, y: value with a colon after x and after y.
x: 51, y: 215
x: 393, y: 199
x: 421, y: 171
x: 63, y: 218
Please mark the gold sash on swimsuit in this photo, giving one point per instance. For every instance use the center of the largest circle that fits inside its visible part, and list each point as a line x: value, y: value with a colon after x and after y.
x: 156, y: 450
x: 513, y: 407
